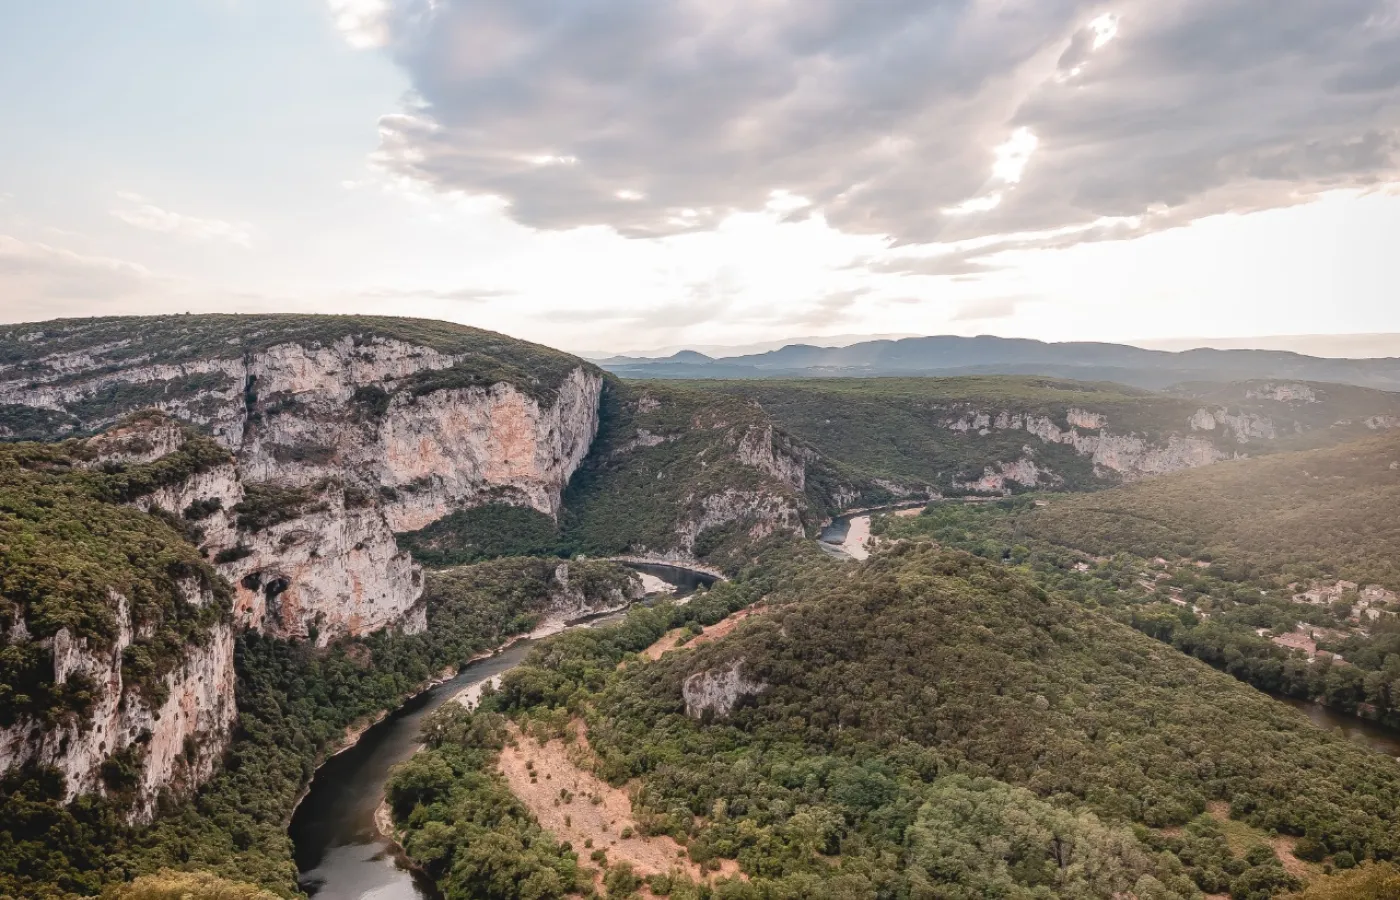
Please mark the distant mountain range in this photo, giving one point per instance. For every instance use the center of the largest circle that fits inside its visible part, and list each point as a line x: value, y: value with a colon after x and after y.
x: 951, y: 356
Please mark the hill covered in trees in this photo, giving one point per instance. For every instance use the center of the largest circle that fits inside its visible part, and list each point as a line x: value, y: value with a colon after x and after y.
x: 931, y: 724
x: 1279, y: 570
x: 1327, y: 511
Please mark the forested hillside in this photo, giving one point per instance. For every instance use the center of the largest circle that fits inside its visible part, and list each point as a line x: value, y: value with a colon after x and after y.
x: 1281, y: 570
x: 704, y: 467
x: 1328, y: 511
x: 295, y: 705
x: 932, y: 724
x: 949, y: 433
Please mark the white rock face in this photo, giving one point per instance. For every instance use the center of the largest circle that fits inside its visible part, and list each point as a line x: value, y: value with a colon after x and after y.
x: 757, y: 449
x: 1245, y: 426
x: 332, y: 571
x: 997, y: 480
x: 290, y: 416
x: 181, y: 742
x: 718, y: 690
x: 452, y: 448
x: 1284, y: 393
x: 769, y: 513
x: 1128, y: 456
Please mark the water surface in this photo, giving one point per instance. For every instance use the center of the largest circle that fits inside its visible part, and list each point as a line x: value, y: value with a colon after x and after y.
x: 339, y: 852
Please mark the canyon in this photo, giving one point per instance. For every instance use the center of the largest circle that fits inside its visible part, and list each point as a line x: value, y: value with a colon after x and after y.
x: 340, y: 434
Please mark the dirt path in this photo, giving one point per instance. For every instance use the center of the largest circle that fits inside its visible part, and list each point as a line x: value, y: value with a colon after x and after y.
x: 561, y: 795
x: 668, y: 642
x: 1241, y: 836
x: 672, y: 639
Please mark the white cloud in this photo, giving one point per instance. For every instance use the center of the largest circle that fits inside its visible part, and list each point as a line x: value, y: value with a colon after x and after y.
x: 362, y: 22
x: 1105, y: 29
x: 140, y: 213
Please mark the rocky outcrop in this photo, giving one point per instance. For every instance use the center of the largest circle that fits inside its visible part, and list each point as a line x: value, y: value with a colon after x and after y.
x: 718, y: 691
x: 1023, y: 472
x: 573, y: 598
x: 174, y: 744
x: 760, y: 513
x: 327, y: 566
x: 1244, y: 426
x: 758, y: 449
x: 1283, y: 393
x: 355, y: 408
x: 352, y: 422
x: 1128, y: 457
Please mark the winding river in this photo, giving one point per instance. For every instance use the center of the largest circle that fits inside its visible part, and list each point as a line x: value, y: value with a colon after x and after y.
x: 340, y: 854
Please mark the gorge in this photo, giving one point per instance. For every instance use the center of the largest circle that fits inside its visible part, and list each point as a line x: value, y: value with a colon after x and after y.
x: 291, y: 523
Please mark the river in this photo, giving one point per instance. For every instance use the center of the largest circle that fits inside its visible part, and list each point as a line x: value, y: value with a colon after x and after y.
x: 1357, y: 730
x: 340, y: 855
x: 845, y: 537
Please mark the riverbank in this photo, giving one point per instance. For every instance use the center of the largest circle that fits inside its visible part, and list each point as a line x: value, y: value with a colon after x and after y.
x: 346, y: 845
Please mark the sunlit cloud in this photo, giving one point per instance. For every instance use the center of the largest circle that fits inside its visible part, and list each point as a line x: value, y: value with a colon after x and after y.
x: 1105, y: 29
x: 362, y: 22
x: 141, y: 213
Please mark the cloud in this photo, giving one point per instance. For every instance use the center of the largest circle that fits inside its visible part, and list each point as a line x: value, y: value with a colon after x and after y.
x: 362, y: 22
x: 991, y: 308
x: 456, y: 295
x: 660, y: 118
x: 140, y: 213
x: 834, y: 307
x: 41, y: 281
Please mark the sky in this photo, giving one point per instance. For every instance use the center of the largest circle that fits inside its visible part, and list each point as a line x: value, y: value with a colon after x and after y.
x: 616, y: 175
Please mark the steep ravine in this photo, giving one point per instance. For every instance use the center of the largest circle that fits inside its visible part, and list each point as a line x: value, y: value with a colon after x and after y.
x: 339, y: 850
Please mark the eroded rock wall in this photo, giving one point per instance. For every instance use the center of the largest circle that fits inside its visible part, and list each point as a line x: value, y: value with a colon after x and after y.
x: 175, y: 744
x: 1126, y: 456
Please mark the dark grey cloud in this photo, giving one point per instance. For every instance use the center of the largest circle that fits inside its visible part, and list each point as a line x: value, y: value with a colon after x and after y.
x: 661, y: 116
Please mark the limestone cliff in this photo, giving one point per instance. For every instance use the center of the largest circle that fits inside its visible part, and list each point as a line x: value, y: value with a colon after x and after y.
x: 718, y: 691
x: 174, y: 744
x: 336, y: 433
x: 1128, y: 456
x: 366, y: 426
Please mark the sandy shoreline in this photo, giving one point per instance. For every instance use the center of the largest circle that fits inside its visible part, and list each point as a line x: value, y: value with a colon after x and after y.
x: 856, y: 537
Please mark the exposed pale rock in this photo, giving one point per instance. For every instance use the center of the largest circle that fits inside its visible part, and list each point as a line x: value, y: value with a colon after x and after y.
x: 1245, y: 426
x: 718, y: 690
x: 997, y: 479
x: 757, y: 449
x: 767, y: 513
x: 197, y: 714
x: 333, y: 571
x: 1079, y: 418
x: 1284, y: 393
